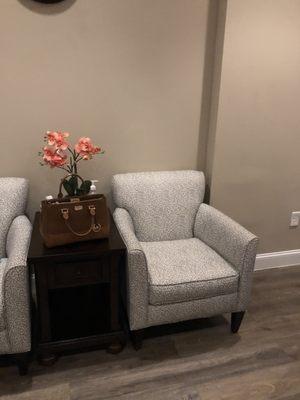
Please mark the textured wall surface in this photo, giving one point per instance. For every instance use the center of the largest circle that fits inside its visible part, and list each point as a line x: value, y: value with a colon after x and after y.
x: 127, y: 73
x: 255, y: 177
x: 161, y: 85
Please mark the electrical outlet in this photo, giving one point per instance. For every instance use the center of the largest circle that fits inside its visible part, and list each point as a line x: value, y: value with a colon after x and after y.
x: 295, y: 217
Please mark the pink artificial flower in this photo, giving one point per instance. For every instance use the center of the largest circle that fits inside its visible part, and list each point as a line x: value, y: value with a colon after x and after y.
x: 57, y: 139
x: 86, y: 149
x: 54, y: 157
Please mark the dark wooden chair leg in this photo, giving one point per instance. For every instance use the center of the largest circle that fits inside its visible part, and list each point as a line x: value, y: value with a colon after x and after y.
x: 137, y: 339
x: 236, y: 320
x: 22, y: 361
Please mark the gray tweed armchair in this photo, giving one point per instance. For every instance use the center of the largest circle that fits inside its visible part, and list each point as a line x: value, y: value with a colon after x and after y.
x: 15, y: 232
x: 186, y: 260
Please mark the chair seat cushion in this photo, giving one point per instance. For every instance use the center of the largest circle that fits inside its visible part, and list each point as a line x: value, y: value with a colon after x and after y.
x: 185, y: 270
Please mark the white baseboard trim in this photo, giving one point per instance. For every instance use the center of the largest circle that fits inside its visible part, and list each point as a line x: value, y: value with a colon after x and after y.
x: 277, y: 259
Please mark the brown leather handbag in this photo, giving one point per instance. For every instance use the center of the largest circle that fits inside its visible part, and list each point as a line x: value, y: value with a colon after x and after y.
x: 73, y: 219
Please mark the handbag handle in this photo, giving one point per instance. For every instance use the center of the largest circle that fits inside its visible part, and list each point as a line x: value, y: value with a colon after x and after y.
x: 93, y: 227
x: 60, y: 194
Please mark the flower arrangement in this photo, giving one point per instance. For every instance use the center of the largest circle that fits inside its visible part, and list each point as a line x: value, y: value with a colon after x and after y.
x: 57, y: 153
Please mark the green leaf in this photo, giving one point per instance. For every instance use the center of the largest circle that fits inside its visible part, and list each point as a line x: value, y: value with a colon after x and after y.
x: 73, y: 181
x: 85, y: 187
x: 68, y: 188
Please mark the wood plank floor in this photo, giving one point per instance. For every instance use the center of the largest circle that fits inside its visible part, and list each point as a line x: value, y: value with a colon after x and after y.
x: 207, y: 363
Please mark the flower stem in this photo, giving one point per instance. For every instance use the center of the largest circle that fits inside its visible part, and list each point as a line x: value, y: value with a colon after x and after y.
x: 65, y: 169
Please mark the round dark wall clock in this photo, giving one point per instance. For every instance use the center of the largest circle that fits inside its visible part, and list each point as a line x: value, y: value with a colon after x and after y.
x: 48, y: 1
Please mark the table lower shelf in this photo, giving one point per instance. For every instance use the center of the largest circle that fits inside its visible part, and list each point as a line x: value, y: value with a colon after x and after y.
x: 79, y: 312
x: 113, y: 342
x: 80, y: 319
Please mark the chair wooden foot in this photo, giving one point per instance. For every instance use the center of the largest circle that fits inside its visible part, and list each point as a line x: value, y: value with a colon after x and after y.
x: 236, y: 320
x: 22, y: 361
x: 137, y: 339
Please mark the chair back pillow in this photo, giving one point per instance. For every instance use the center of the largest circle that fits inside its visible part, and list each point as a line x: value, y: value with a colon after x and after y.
x: 13, y: 197
x: 162, y: 205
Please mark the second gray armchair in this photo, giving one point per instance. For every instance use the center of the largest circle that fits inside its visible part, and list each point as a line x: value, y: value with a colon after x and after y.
x: 15, y: 233
x: 186, y: 260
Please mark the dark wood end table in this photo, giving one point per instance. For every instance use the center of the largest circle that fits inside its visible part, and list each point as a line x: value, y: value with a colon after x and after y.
x: 78, y: 294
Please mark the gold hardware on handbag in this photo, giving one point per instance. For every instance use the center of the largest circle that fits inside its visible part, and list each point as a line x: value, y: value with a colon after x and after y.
x: 73, y: 219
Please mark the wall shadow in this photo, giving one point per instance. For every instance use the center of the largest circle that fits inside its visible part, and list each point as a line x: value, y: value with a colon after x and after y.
x: 211, y: 79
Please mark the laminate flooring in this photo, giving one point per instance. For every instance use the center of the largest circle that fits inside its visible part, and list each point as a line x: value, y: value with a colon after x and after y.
x: 197, y: 360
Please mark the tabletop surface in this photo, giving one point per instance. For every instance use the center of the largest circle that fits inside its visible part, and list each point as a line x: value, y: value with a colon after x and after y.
x: 38, y: 252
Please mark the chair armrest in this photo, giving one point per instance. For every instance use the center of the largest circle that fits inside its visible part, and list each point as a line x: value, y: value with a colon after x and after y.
x: 16, y: 285
x: 227, y: 237
x: 137, y: 271
x: 125, y: 226
x: 18, y: 240
x: 233, y: 242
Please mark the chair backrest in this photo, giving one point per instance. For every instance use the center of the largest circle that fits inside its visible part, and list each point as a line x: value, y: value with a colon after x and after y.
x: 162, y: 205
x: 13, y: 197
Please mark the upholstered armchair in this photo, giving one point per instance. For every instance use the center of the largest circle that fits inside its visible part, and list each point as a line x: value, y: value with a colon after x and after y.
x: 15, y: 232
x: 186, y: 260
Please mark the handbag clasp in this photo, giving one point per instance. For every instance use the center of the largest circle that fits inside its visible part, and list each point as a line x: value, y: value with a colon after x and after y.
x: 65, y: 213
x: 92, y: 210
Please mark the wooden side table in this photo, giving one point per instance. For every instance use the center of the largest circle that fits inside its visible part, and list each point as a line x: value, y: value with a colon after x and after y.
x: 78, y: 294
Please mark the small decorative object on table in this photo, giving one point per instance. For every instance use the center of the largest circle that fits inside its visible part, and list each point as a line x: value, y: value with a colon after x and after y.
x: 77, y: 216
x: 55, y: 154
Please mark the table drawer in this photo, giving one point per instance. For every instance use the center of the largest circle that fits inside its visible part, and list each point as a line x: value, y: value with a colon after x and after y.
x: 78, y: 273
